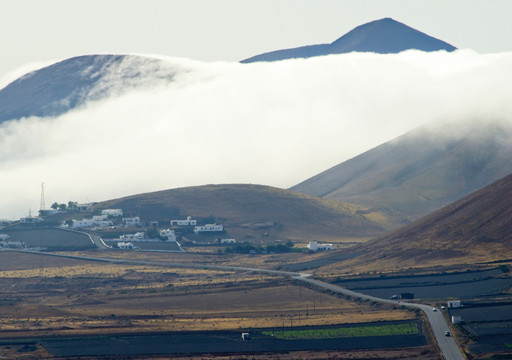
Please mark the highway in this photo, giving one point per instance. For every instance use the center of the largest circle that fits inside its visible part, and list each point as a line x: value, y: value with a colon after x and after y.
x: 447, y: 345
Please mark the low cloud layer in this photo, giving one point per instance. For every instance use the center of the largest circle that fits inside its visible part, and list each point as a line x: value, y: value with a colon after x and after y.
x: 267, y: 123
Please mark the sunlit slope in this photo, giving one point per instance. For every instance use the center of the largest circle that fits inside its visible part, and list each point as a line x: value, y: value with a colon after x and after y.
x: 254, y: 209
x: 384, y: 36
x: 420, y: 171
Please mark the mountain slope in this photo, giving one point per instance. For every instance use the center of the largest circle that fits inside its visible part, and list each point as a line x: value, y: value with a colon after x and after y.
x: 421, y: 171
x: 382, y: 36
x: 474, y: 229
x: 240, y: 208
x: 60, y: 87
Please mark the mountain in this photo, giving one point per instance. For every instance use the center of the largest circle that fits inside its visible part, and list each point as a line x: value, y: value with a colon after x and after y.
x: 384, y: 36
x: 254, y: 210
x: 420, y: 171
x: 475, y: 229
x: 60, y: 87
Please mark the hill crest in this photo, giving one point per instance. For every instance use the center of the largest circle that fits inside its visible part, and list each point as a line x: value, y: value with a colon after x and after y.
x: 384, y: 36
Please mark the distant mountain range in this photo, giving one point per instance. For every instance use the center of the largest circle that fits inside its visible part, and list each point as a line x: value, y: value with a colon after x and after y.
x: 384, y: 36
x: 63, y: 86
x: 421, y: 171
x: 250, y: 210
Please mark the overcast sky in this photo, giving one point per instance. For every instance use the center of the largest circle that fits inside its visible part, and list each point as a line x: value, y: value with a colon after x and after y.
x: 229, y: 30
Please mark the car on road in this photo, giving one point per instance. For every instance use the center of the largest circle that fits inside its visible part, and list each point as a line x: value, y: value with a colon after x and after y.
x: 447, y: 333
x: 434, y: 309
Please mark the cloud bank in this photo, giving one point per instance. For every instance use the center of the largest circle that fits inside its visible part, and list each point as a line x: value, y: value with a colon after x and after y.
x: 267, y: 123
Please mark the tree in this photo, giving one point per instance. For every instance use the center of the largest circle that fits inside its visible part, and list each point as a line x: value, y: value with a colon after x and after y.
x: 55, y: 206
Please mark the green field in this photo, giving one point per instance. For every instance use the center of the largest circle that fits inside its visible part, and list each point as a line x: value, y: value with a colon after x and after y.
x: 346, y: 332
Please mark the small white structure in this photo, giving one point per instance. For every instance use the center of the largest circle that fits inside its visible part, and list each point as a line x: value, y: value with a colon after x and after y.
x: 452, y: 304
x: 10, y: 244
x: 30, y: 220
x: 131, y: 221
x: 99, y: 218
x: 112, y: 212
x: 125, y: 245
x: 208, y: 228
x: 246, y: 336
x: 169, y: 234
x: 88, y: 207
x: 91, y: 222
x: 227, y: 241
x: 188, y: 222
x: 4, y: 237
x: 314, y: 246
x: 456, y: 319
x: 133, y: 237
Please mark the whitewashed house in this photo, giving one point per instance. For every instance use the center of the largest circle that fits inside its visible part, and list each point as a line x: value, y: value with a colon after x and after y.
x: 314, y: 246
x: 30, y: 220
x: 112, y: 212
x: 133, y: 237
x: 208, y: 228
x: 95, y: 221
x: 4, y: 237
x: 187, y: 222
x: 169, y: 234
x: 125, y: 245
x: 452, y: 304
x: 131, y: 221
x: 10, y: 244
x: 227, y: 241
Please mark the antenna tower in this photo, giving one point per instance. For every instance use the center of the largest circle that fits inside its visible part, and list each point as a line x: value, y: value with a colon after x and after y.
x: 43, y: 205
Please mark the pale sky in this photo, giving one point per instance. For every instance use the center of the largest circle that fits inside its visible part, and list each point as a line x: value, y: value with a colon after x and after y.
x: 229, y: 30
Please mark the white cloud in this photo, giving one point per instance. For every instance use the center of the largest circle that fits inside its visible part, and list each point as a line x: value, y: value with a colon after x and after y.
x: 269, y: 123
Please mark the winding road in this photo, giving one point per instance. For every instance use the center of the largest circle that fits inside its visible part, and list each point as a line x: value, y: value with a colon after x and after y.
x: 447, y: 345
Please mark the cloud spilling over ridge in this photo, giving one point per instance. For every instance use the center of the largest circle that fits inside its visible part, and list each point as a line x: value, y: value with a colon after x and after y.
x: 268, y: 123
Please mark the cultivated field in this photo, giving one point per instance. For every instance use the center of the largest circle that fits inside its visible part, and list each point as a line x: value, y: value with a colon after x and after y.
x: 45, y: 296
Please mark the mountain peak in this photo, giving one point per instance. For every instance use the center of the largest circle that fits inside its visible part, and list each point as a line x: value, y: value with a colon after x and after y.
x: 384, y: 36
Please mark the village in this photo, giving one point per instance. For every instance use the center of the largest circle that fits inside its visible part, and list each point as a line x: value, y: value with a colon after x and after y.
x: 113, y: 229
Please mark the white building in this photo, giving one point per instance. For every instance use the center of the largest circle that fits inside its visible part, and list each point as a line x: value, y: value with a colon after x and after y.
x: 133, y: 237
x: 188, y: 222
x: 125, y: 245
x: 131, y: 221
x: 112, y: 212
x: 30, y: 220
x: 5, y: 222
x: 227, y: 241
x: 314, y: 246
x: 452, y: 304
x: 100, y: 217
x: 169, y: 234
x: 456, y: 319
x: 95, y: 221
x: 4, y: 237
x: 208, y: 228
x: 10, y: 244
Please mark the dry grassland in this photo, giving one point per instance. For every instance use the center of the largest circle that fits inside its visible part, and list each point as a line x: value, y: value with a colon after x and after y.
x: 78, y: 297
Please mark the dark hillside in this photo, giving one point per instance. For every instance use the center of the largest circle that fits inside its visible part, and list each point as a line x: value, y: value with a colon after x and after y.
x: 475, y: 229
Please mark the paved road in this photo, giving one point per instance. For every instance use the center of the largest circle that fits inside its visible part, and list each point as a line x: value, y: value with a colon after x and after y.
x: 447, y: 344
x: 438, y: 324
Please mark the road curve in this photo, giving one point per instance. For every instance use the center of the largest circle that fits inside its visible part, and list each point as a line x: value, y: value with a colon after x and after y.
x: 447, y: 344
x: 438, y: 324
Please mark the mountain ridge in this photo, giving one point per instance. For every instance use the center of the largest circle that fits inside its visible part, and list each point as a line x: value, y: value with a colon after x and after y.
x: 382, y: 36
